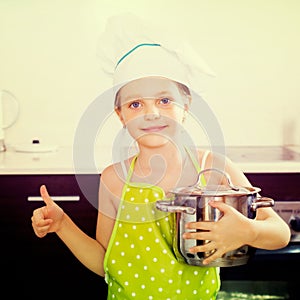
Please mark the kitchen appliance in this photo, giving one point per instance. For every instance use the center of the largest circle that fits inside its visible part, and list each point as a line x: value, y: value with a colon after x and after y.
x: 191, y: 204
x: 9, y: 111
x: 269, y: 274
x: 290, y: 213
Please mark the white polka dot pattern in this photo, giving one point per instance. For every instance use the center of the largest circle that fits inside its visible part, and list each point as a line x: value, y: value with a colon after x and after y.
x: 140, y: 262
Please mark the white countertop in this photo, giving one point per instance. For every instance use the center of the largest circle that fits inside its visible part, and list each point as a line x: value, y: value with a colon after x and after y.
x: 249, y: 159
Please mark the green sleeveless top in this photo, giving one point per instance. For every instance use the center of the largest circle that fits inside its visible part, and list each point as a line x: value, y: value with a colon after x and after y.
x: 140, y: 262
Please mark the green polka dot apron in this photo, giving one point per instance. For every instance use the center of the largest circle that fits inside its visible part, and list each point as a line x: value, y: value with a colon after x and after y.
x: 140, y: 262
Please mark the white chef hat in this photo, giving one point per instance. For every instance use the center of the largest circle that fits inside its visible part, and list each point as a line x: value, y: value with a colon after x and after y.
x: 130, y: 49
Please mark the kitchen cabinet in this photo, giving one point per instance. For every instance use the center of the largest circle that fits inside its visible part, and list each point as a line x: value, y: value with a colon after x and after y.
x: 271, y: 272
x: 44, y: 268
x: 37, y: 268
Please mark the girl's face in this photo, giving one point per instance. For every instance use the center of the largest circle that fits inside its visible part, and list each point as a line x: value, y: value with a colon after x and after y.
x: 152, y: 109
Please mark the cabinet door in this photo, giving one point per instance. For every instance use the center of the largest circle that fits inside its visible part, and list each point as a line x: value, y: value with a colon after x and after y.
x: 44, y: 267
x: 279, y: 186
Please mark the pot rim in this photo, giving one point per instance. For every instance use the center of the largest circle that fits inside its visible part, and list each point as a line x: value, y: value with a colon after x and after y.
x: 214, y: 192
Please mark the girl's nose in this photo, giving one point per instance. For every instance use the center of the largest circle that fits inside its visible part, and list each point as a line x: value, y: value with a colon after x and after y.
x: 152, y: 112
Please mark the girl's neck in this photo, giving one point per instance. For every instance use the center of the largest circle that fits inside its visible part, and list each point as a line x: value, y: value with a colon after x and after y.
x: 160, y: 161
x: 168, y: 152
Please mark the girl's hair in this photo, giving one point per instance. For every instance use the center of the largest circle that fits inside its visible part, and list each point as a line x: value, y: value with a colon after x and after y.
x: 183, y: 89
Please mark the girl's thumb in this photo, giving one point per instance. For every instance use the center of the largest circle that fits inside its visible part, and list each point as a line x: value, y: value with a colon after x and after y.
x: 44, y: 193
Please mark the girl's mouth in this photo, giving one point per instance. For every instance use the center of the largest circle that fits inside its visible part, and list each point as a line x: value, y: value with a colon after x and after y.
x: 154, y: 128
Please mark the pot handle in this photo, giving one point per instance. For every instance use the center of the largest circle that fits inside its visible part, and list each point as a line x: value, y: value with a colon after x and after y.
x: 261, y: 202
x: 229, y: 182
x: 168, y: 206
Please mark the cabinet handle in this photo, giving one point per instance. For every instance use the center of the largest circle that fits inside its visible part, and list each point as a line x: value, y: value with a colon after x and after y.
x: 55, y: 198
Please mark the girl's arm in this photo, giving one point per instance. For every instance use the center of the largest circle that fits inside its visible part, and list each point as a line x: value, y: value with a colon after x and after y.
x: 86, y: 249
x: 51, y: 218
x: 267, y: 231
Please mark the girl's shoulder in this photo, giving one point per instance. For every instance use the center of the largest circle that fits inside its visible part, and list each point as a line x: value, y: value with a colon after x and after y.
x: 218, y: 160
x: 115, y: 172
x: 112, y: 181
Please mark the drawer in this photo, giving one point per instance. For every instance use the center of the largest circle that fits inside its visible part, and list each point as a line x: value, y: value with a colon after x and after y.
x: 77, y: 195
x: 21, y: 185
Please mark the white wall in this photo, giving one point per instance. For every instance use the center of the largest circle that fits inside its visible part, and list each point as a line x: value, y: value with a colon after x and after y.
x: 48, y: 60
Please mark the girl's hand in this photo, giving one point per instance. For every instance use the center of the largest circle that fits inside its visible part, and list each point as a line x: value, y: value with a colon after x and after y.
x: 47, y: 218
x: 232, y: 231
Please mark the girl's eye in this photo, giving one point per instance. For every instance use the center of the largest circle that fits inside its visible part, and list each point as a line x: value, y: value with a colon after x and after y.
x: 135, y: 104
x: 165, y: 101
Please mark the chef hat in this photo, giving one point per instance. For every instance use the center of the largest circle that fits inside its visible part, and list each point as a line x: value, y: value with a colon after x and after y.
x: 130, y: 49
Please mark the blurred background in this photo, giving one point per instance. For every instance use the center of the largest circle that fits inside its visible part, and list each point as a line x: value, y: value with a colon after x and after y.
x: 48, y: 60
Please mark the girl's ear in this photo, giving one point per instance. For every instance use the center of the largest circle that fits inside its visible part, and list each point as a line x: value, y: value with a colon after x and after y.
x: 119, y: 113
x: 185, y: 110
x: 187, y: 104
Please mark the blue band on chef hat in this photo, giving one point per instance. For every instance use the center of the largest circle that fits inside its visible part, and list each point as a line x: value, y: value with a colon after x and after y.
x: 133, y: 49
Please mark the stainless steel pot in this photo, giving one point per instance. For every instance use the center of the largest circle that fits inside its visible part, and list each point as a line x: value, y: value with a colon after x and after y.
x: 190, y: 204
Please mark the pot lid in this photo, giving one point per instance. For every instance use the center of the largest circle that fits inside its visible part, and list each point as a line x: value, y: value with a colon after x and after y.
x: 198, y: 189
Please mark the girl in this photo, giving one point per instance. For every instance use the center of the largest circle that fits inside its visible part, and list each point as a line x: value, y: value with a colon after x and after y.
x: 133, y: 250
x: 133, y: 244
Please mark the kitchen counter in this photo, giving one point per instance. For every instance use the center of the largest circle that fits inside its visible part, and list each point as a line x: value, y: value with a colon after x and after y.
x: 250, y: 159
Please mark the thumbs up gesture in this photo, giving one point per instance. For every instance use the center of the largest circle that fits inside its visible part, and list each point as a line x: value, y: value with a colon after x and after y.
x: 47, y: 218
